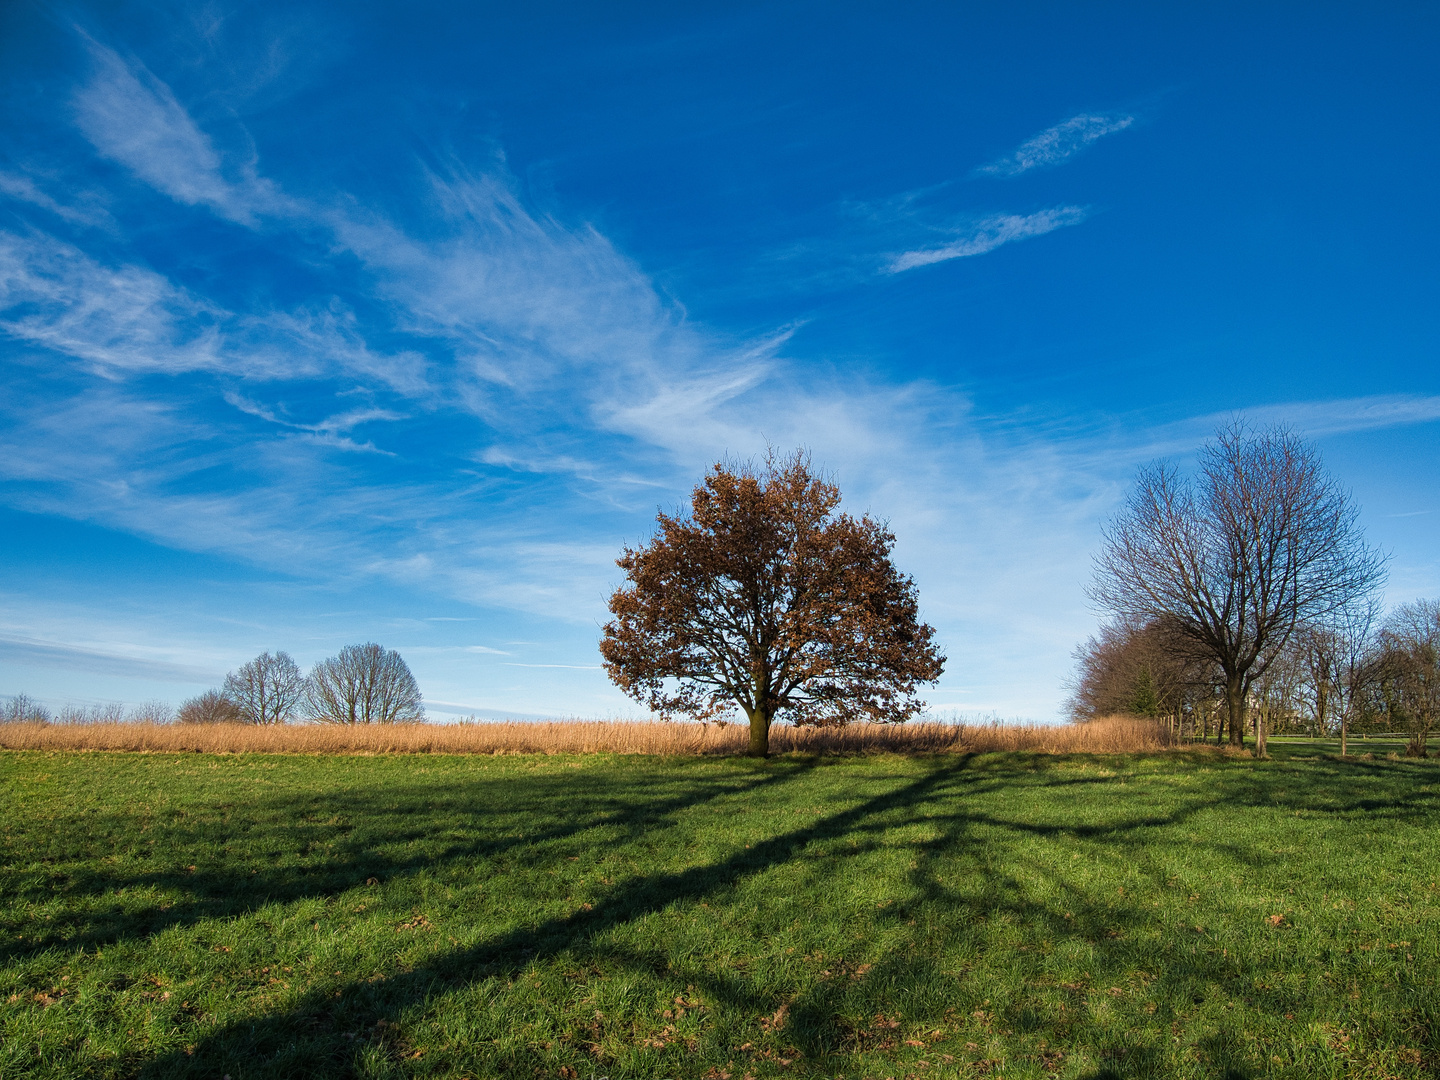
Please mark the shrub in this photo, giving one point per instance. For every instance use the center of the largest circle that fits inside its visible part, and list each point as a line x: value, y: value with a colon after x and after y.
x: 152, y: 712
x: 113, y: 713
x: 211, y: 707
x: 23, y: 709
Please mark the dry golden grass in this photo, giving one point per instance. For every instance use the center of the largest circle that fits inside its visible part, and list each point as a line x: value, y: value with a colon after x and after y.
x: 1114, y: 735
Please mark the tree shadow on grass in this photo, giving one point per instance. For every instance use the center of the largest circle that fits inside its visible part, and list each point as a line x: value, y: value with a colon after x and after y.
x: 814, y: 1029
x: 268, y: 1042
x: 308, y: 1038
x: 494, y: 819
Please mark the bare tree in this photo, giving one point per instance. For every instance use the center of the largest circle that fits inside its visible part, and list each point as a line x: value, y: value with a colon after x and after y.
x: 267, y: 690
x: 1409, y: 664
x: 1318, y: 649
x: 364, y: 684
x: 23, y: 709
x: 113, y: 713
x: 766, y: 599
x: 1261, y: 543
x: 1341, y: 667
x: 211, y: 707
x: 1276, y: 694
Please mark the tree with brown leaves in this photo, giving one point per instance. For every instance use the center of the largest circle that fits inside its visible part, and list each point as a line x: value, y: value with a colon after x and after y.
x: 764, y: 598
x: 1140, y: 669
x: 211, y: 707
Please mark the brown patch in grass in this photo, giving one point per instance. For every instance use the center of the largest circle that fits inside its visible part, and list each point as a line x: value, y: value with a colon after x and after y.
x: 1108, y: 736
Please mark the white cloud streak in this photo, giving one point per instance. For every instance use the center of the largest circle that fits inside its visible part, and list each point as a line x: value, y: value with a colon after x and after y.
x: 129, y: 319
x: 23, y: 187
x: 133, y: 118
x: 990, y: 234
x: 123, y: 318
x: 104, y: 661
x: 1058, y: 144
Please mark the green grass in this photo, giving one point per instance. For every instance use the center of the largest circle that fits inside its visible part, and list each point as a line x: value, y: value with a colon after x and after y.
x: 1019, y: 916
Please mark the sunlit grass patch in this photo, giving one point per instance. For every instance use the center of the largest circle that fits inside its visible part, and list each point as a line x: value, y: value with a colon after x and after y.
x: 953, y: 915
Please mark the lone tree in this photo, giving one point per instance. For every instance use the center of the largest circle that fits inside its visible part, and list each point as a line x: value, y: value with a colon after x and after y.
x: 766, y: 599
x: 267, y: 690
x: 1260, y: 544
x: 364, y: 684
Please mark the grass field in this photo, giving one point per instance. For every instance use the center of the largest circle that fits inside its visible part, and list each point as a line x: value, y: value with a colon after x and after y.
x: 1178, y: 914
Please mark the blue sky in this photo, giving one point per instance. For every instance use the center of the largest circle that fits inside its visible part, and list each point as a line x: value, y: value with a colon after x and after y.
x: 331, y: 323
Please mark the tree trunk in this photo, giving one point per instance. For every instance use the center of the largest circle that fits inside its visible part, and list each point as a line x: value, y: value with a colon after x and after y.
x: 1260, y: 751
x: 1344, y: 730
x: 1417, y: 740
x: 759, y: 734
x: 1235, y: 707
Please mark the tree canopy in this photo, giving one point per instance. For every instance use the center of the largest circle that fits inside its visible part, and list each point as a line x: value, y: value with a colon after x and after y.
x: 766, y: 599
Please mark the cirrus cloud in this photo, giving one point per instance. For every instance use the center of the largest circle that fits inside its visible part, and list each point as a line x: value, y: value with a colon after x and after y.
x: 989, y: 233
x: 1057, y: 144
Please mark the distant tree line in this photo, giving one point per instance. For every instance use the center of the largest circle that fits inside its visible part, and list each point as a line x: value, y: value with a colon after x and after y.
x: 1244, y: 600
x: 1323, y: 683
x: 362, y: 684
x: 23, y: 709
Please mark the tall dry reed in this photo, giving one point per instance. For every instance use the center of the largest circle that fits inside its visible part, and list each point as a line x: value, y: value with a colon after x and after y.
x: 1110, y: 736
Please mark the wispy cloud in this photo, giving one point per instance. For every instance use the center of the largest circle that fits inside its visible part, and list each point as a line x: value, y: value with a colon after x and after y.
x: 128, y: 318
x: 1058, y: 144
x: 133, y: 118
x: 567, y: 667
x: 1311, y: 419
x: 1319, y: 418
x: 113, y: 660
x: 990, y: 234
x: 336, y: 424
x: 24, y: 188
x: 476, y: 649
x: 121, y: 318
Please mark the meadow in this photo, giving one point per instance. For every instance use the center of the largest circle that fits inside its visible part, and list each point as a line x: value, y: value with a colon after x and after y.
x: 1181, y: 913
x: 1114, y: 734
